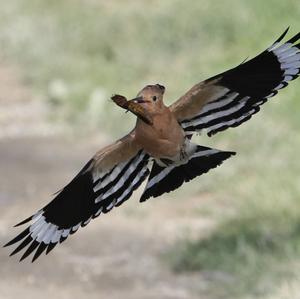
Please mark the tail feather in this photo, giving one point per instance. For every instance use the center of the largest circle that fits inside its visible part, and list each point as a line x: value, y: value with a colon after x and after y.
x: 166, y: 179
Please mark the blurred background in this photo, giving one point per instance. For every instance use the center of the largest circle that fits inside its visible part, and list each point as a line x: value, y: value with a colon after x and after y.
x: 233, y: 233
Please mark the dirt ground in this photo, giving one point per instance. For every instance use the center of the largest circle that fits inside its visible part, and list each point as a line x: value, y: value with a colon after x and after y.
x: 118, y: 255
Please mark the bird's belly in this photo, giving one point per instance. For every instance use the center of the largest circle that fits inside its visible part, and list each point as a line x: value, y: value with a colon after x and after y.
x: 162, y: 148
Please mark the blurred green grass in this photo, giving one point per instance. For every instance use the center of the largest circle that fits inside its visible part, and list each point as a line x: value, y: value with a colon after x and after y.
x: 75, y: 54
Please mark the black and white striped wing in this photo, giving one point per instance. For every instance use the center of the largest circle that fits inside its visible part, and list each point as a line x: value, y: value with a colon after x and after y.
x: 89, y: 194
x: 246, y: 87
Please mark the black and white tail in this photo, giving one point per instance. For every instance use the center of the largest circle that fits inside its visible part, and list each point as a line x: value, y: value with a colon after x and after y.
x: 166, y: 179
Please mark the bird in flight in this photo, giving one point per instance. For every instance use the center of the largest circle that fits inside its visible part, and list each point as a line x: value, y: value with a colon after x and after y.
x: 159, y: 148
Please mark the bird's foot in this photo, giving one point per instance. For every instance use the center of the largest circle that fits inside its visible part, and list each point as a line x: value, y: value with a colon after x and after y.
x: 183, y: 155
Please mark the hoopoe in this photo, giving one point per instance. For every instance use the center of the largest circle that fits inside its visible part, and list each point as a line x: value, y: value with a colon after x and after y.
x: 159, y: 148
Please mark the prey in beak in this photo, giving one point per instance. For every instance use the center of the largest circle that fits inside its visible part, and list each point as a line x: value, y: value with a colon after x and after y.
x: 133, y: 106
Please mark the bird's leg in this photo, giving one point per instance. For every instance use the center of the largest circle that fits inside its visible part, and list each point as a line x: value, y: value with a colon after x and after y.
x: 183, y: 154
x: 133, y: 107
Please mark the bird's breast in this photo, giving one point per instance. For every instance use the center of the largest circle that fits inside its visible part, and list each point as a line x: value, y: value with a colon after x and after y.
x: 162, y: 139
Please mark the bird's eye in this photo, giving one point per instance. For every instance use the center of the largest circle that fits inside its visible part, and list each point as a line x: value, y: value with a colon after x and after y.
x: 154, y: 98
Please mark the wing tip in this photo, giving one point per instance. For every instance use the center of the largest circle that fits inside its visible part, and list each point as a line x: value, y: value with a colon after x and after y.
x: 283, y: 34
x: 145, y: 197
x: 18, y: 238
x: 24, y: 221
x: 39, y: 251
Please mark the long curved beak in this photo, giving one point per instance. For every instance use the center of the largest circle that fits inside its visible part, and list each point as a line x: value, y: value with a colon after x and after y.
x: 139, y: 110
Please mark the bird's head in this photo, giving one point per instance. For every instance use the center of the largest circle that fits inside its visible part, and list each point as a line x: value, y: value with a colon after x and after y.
x: 146, y: 105
x: 151, y: 97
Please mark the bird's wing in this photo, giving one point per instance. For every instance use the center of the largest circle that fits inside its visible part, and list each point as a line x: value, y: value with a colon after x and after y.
x: 231, y: 98
x: 106, y: 181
